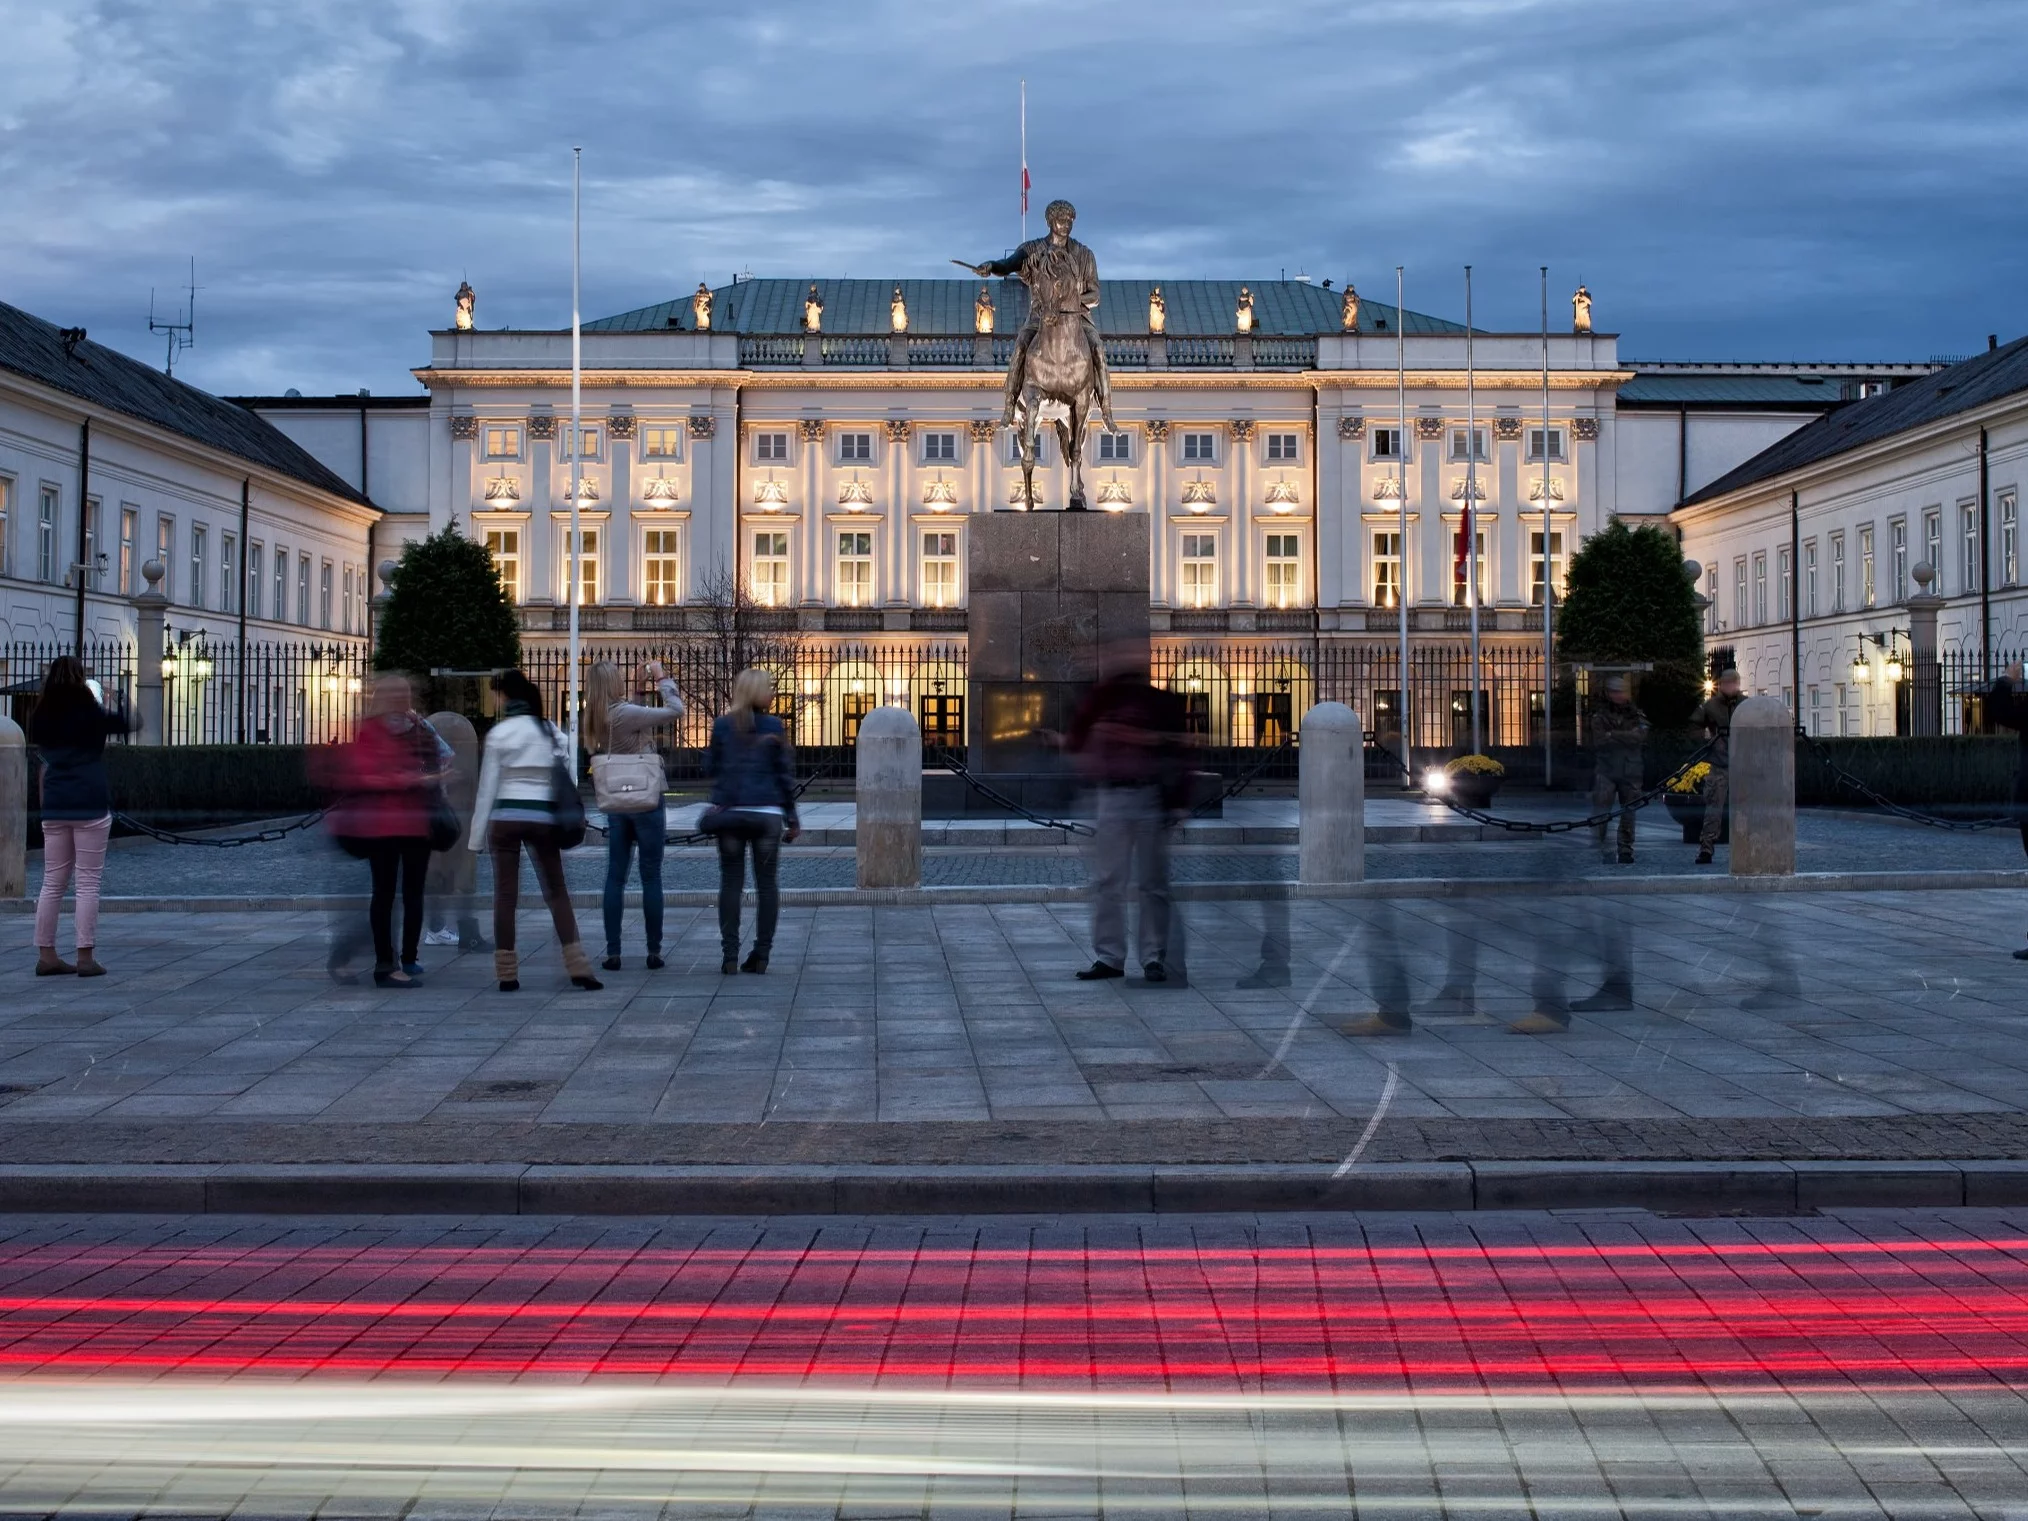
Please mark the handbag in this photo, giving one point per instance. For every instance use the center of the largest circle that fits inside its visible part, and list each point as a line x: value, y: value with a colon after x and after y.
x: 565, y: 799
x: 445, y: 828
x: 627, y: 783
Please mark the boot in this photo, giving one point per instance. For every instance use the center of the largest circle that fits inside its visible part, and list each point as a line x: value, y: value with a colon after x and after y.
x: 88, y: 964
x: 756, y: 962
x: 578, y: 964
x: 1611, y: 998
x: 1704, y: 855
x: 507, y: 967
x: 49, y: 964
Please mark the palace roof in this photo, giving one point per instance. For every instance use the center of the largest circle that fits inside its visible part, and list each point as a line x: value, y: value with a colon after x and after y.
x: 1961, y: 387
x: 1195, y: 308
x: 105, y: 377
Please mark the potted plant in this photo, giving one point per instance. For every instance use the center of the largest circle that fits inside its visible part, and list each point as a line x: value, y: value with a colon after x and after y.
x: 1685, y: 801
x: 1473, y: 779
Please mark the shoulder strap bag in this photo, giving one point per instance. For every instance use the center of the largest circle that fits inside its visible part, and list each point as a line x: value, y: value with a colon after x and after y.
x: 564, y: 797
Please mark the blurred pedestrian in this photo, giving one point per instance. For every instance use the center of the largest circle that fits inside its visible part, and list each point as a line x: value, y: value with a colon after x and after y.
x: 1715, y: 716
x: 628, y: 780
x: 753, y: 808
x: 388, y: 781
x: 1619, y: 733
x: 1127, y: 735
x: 452, y: 892
x: 69, y: 729
x: 528, y: 800
x: 2007, y: 702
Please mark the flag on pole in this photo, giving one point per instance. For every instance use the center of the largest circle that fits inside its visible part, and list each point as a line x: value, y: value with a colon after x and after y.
x: 1024, y: 189
x: 1464, y: 544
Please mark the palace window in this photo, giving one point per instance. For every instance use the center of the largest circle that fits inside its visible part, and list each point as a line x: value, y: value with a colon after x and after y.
x: 1478, y: 444
x: 1932, y: 548
x: 1740, y: 610
x: 1284, y: 448
x: 504, y: 544
x: 1785, y: 584
x: 1869, y: 586
x: 281, y: 613
x: 587, y: 567
x: 91, y: 535
x: 1897, y: 558
x: 940, y: 568
x: 1200, y: 569
x: 256, y: 588
x: 503, y: 443
x: 1970, y: 572
x: 939, y: 448
x: 228, y: 573
x: 200, y: 547
x: 345, y: 602
x: 771, y: 568
x: 1284, y: 569
x: 855, y: 448
x: 303, y: 590
x: 662, y: 441
x: 1760, y: 588
x: 6, y: 522
x: 1535, y: 565
x: 1385, y: 443
x: 855, y: 568
x: 165, y: 550
x: 1460, y: 572
x: 591, y: 441
x: 324, y: 595
x: 1535, y: 452
x: 1200, y: 448
x: 1387, y: 569
x: 1810, y: 578
x: 1837, y: 572
x: 1116, y: 448
x: 45, y: 534
x: 1711, y: 600
x: 659, y: 587
x: 2010, y: 540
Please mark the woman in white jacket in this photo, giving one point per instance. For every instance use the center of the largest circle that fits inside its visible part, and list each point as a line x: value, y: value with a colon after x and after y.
x: 516, y: 807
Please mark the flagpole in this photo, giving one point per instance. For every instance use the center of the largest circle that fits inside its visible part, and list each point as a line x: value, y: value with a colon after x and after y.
x: 1024, y: 161
x: 1548, y: 562
x: 1470, y: 519
x: 576, y: 436
x: 1401, y: 502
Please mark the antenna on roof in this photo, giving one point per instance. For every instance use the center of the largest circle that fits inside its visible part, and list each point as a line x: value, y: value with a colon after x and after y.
x: 183, y: 331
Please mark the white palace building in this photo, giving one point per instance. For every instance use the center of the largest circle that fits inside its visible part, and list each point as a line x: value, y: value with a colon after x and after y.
x: 825, y: 443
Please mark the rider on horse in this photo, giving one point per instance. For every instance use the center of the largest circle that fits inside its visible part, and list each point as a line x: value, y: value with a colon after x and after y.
x: 1062, y: 280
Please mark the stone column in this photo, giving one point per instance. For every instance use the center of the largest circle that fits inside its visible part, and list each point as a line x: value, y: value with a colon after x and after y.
x: 1925, y: 674
x: 1331, y: 796
x: 618, y: 549
x: 888, y: 825
x: 1240, y: 580
x: 150, y: 609
x: 1763, y: 800
x: 13, y: 810
x: 544, y: 581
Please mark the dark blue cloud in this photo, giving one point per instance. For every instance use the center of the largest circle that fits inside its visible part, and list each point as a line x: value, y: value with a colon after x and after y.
x: 1733, y: 180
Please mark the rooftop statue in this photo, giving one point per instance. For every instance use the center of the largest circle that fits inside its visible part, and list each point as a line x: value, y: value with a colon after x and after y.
x: 1349, y: 310
x: 1242, y: 317
x: 467, y: 300
x: 700, y: 307
x: 813, y: 310
x: 1580, y: 310
x: 982, y: 311
x: 1058, y: 354
x: 1158, y: 311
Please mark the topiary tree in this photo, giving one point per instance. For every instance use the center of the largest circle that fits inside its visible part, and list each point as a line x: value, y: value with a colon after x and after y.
x: 1629, y: 603
x: 446, y: 609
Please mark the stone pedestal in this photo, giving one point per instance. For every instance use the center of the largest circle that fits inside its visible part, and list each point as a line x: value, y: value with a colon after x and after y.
x: 1331, y: 791
x: 1925, y: 667
x: 151, y: 610
x: 888, y: 795
x: 1763, y: 795
x: 1048, y: 592
x: 13, y: 810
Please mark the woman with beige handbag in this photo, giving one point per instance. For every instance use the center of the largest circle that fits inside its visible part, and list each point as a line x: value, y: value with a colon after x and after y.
x: 627, y: 785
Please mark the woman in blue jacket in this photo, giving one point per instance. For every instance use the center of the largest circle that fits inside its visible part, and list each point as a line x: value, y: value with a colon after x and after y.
x: 753, y: 804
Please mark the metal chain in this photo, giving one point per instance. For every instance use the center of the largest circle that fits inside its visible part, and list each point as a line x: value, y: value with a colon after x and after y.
x: 993, y: 795
x: 265, y: 837
x: 1887, y: 805
x: 1568, y: 826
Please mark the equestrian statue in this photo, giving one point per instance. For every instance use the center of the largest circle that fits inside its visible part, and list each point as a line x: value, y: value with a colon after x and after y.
x: 1058, y: 355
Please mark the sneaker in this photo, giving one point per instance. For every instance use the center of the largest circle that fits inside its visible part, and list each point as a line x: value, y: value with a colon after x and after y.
x: 1154, y: 971
x: 440, y: 937
x: 1098, y: 971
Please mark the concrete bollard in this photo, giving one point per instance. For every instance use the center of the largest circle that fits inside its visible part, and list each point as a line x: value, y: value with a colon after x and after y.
x: 1331, y: 796
x: 889, y: 800
x: 13, y: 810
x: 151, y: 608
x: 1763, y: 797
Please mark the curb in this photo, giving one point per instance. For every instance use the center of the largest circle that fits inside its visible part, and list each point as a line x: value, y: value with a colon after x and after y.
x: 516, y: 1189
x: 1189, y: 892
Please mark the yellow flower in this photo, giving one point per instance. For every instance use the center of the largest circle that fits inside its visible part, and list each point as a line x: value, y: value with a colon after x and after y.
x: 1477, y: 765
x: 1690, y: 779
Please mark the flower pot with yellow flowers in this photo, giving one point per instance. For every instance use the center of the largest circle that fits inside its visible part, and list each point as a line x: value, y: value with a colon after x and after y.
x: 1473, y: 779
x: 1684, y: 799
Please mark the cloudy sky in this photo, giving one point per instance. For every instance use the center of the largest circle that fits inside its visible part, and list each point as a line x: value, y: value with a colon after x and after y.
x: 1739, y: 179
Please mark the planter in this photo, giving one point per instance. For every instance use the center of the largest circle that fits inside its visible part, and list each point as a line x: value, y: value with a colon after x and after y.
x: 1687, y: 809
x: 1474, y: 790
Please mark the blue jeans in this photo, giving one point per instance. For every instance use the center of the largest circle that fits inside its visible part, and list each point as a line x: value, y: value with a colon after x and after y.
x: 650, y: 831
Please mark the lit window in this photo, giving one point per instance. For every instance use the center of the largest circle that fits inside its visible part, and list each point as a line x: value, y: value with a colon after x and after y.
x: 940, y: 569
x: 855, y: 568
x: 1115, y: 448
x: 1200, y: 568
x: 1200, y: 448
x: 1283, y: 448
x: 45, y: 535
x: 663, y: 442
x: 1284, y: 568
x: 587, y: 566
x: 658, y: 561
x: 503, y: 443
x: 200, y: 545
x: 771, y: 569
x: 855, y: 448
x: 591, y: 441
x: 504, y: 545
x: 1386, y: 569
x: 939, y: 448
x: 1386, y: 443
x: 1535, y: 566
x: 1478, y: 444
x: 1535, y: 436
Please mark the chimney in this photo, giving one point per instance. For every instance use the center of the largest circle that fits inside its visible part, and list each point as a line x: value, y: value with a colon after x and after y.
x: 1992, y: 342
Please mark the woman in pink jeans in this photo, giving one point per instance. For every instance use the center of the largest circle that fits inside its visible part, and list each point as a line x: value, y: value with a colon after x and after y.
x: 69, y: 730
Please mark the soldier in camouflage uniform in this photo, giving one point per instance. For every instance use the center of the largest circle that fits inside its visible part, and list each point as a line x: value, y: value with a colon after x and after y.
x: 1619, y: 734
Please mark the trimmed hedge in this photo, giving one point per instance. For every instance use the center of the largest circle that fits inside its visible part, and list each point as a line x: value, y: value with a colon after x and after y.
x: 191, y: 786
x: 1968, y: 769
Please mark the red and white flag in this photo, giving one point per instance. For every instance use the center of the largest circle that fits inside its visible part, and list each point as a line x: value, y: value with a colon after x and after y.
x: 1024, y: 189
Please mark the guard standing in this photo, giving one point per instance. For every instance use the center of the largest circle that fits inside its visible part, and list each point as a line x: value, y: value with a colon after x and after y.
x: 1619, y: 734
x: 1716, y: 717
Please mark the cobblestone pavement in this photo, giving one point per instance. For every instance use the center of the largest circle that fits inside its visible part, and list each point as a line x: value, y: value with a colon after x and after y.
x: 305, y: 863
x: 1594, y: 1364
x: 1744, y: 1018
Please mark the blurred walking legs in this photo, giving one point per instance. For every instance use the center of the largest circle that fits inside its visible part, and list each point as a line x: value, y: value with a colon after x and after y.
x: 1130, y: 843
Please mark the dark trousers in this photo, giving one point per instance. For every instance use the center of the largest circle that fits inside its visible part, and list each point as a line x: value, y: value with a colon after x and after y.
x: 1717, y: 786
x: 1611, y: 785
x: 410, y: 861
x: 764, y: 835
x: 624, y: 831
x: 504, y: 840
